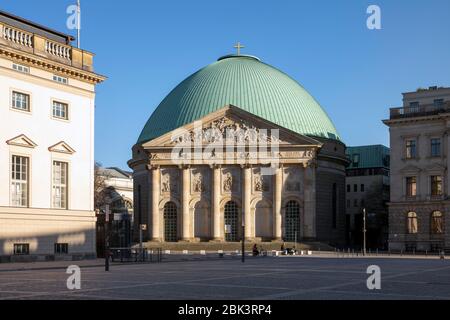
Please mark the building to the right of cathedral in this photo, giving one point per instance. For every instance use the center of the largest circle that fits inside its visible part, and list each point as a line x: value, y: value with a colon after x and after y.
x: 419, y: 208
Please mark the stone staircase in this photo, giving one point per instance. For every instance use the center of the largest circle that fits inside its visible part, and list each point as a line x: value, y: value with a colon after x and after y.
x: 233, y: 246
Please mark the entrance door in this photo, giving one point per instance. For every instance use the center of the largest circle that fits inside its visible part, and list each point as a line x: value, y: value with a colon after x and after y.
x: 231, y: 214
x: 170, y: 222
x: 292, y: 222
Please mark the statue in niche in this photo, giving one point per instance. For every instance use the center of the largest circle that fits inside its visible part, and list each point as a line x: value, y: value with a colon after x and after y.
x: 261, y: 184
x: 228, y: 183
x: 166, y: 184
x: 198, y: 184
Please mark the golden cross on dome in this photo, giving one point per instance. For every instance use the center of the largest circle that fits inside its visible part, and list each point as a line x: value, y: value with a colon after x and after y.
x: 238, y: 46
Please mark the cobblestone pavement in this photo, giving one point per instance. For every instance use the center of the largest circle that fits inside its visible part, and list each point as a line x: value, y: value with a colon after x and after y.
x: 264, y: 278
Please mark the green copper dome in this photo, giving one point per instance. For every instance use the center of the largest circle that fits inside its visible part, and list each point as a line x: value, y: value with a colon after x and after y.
x: 247, y: 83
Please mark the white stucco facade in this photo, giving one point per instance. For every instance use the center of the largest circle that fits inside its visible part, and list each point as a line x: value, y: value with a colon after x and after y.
x: 44, y: 139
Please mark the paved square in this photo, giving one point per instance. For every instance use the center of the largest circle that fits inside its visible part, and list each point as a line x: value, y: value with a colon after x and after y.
x: 259, y: 278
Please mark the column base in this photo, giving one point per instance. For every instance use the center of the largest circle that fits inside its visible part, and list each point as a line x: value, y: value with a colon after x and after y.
x: 158, y: 240
x: 187, y: 240
x: 217, y: 240
x: 277, y: 240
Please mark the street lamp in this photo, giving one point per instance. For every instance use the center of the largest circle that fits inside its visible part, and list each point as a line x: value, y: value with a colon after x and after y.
x: 243, y: 239
x: 364, y: 231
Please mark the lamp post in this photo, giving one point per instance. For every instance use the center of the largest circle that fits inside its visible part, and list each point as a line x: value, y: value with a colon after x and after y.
x: 243, y: 239
x: 364, y: 231
x: 106, y: 238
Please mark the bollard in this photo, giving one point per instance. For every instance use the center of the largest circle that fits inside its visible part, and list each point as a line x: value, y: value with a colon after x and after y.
x: 442, y: 255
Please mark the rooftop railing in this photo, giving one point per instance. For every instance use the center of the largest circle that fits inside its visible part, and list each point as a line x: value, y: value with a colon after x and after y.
x: 419, y: 110
x: 47, y: 48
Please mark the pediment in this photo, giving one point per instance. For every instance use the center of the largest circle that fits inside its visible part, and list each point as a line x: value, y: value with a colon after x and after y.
x: 410, y: 169
x: 436, y: 167
x: 232, y: 123
x: 61, y: 147
x: 22, y: 141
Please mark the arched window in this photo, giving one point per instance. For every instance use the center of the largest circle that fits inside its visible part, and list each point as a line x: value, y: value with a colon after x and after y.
x: 170, y: 222
x: 292, y: 222
x: 437, y: 222
x: 412, y: 227
x: 231, y: 215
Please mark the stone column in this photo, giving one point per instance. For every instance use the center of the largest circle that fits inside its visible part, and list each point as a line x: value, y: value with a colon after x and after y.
x: 277, y: 196
x: 186, y: 230
x: 310, y: 202
x: 156, y: 177
x: 216, y: 187
x: 247, y: 193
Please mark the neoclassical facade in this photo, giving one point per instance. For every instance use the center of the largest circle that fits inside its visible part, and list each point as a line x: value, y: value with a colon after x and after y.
x: 419, y: 208
x: 47, y: 99
x: 205, y: 179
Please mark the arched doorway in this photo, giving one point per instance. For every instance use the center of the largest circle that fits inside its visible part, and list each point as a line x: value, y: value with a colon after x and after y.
x: 292, y: 222
x: 263, y: 220
x: 231, y: 215
x: 201, y: 221
x: 170, y: 222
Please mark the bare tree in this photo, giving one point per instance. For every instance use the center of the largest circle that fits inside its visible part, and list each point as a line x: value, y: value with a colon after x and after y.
x: 100, y: 196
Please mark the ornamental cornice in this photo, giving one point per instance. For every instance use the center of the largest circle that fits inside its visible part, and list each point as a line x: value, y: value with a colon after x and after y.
x: 49, y: 65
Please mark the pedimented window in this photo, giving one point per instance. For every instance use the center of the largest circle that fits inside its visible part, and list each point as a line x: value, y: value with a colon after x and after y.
x: 61, y: 147
x: 22, y: 141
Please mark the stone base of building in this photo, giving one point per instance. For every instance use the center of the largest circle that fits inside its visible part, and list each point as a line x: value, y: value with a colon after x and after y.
x: 48, y: 258
x: 424, y: 240
x: 33, y: 234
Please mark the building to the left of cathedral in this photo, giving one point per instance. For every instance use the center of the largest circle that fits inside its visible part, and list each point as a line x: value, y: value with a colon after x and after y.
x: 47, y: 100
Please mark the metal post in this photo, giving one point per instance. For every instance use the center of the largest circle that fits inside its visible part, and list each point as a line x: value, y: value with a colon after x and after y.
x: 140, y: 242
x: 295, y: 244
x: 243, y: 242
x: 106, y: 238
x: 364, y: 231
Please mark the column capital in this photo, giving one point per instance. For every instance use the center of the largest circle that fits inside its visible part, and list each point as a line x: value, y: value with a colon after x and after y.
x: 151, y: 167
x: 184, y: 166
x: 215, y: 166
x: 246, y: 166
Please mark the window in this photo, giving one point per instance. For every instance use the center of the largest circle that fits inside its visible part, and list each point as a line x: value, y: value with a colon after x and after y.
x: 19, y: 181
x: 60, y: 79
x: 349, y: 188
x: 412, y: 223
x: 436, y: 185
x: 411, y: 186
x: 363, y: 203
x: 438, y: 102
x: 20, y: 101
x: 355, y: 203
x: 414, y: 106
x: 61, y: 248
x: 355, y: 188
x: 348, y: 203
x: 60, y: 110
x: 355, y: 160
x: 435, y: 147
x: 362, y: 188
x: 59, y: 185
x: 410, y: 149
x: 21, y: 68
x: 21, y: 248
x: 437, y: 222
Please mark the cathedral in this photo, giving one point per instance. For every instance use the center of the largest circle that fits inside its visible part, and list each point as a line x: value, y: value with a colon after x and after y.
x: 239, y: 150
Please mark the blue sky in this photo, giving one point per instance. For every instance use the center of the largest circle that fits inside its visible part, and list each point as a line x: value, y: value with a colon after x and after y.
x: 147, y: 47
